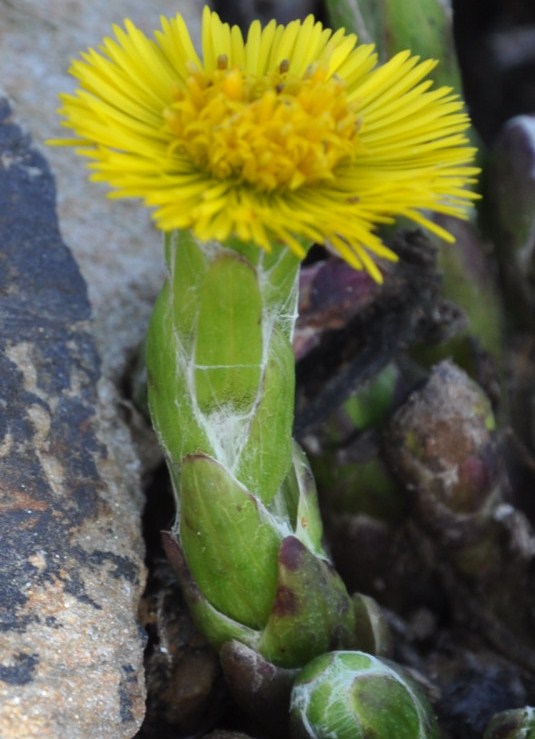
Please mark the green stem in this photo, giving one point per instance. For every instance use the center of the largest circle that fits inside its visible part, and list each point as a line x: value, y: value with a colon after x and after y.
x: 221, y: 392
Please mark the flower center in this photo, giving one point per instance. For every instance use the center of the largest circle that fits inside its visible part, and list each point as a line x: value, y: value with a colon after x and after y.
x: 278, y: 131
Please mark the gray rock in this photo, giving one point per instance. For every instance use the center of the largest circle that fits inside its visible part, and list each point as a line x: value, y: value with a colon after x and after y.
x: 71, y: 570
x: 117, y: 248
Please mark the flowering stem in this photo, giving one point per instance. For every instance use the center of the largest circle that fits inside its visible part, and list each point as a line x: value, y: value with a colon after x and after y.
x: 221, y: 394
x: 215, y: 342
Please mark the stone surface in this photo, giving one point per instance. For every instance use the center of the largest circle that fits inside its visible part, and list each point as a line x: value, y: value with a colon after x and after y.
x: 70, y: 502
x: 117, y: 248
x: 71, y: 571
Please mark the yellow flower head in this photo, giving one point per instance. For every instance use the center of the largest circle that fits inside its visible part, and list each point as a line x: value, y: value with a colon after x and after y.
x: 292, y: 135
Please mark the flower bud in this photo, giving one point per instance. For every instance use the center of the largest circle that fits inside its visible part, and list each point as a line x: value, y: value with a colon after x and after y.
x: 441, y: 444
x: 352, y: 695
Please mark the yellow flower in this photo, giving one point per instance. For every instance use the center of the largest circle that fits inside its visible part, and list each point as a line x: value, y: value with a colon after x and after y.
x: 292, y: 135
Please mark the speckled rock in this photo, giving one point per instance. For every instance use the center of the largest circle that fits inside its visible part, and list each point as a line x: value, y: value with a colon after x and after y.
x: 117, y: 248
x: 71, y: 569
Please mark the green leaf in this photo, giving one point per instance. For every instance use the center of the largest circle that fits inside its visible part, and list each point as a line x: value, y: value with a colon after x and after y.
x: 312, y: 612
x: 215, y: 626
x: 308, y: 524
x: 170, y: 402
x: 266, y: 455
x: 229, y: 541
x: 187, y: 261
x: 229, y: 341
